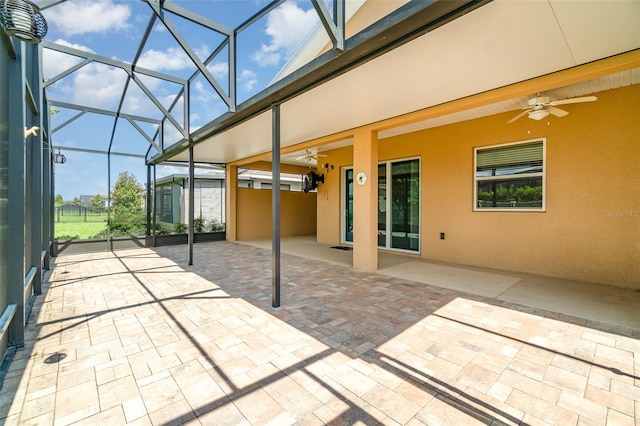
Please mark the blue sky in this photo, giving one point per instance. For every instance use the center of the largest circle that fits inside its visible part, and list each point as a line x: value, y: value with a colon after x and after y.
x: 113, y: 29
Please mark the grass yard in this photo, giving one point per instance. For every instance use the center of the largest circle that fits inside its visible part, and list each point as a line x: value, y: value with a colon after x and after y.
x: 78, y: 229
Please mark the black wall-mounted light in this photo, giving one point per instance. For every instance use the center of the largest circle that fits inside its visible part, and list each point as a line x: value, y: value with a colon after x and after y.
x: 22, y: 19
x: 59, y: 158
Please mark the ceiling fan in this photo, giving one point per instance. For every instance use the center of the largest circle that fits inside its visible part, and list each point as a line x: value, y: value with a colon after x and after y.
x: 542, y: 106
x: 309, y: 156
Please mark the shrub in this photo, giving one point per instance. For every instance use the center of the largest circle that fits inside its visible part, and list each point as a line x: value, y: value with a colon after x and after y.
x: 216, y: 226
x: 67, y: 237
x: 128, y: 225
x: 179, y: 228
x: 198, y: 225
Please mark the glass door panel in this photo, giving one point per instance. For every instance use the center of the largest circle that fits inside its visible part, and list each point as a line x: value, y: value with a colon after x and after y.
x: 405, y: 205
x: 382, y: 205
x: 348, y: 206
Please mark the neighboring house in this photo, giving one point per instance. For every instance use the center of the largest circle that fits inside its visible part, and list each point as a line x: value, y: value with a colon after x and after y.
x: 172, y: 193
x: 85, y: 201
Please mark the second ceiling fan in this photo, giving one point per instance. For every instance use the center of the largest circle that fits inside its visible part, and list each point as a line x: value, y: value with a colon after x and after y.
x: 309, y: 156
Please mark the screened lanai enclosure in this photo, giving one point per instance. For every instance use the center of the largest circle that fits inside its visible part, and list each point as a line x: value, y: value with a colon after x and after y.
x: 100, y: 98
x: 116, y: 106
x: 148, y: 80
x: 139, y: 123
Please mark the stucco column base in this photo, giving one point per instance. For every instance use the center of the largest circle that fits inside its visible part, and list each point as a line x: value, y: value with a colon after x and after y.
x: 365, y: 200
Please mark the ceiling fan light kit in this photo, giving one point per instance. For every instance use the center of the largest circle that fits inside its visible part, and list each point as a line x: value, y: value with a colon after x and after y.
x: 538, y: 114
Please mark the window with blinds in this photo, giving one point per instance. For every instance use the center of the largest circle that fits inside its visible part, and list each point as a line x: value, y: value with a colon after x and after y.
x: 510, y: 177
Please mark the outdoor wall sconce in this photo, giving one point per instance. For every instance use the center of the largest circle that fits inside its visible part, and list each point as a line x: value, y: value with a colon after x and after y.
x: 327, y: 167
x: 31, y: 132
x: 22, y: 19
x: 59, y: 158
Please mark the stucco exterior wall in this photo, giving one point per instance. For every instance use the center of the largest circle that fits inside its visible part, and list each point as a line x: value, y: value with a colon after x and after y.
x: 297, y: 213
x: 590, y: 230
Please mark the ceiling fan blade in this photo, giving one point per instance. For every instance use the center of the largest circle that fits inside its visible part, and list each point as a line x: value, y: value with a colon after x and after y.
x: 573, y: 100
x: 302, y: 157
x: 522, y: 114
x: 557, y: 111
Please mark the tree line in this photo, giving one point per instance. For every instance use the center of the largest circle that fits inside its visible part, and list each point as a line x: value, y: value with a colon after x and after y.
x: 126, y: 198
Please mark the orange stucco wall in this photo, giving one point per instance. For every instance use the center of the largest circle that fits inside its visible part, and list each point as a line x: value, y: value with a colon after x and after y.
x: 590, y: 230
x: 253, y: 213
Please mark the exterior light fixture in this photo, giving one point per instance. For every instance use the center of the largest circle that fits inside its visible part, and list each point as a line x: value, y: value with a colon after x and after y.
x: 22, y: 19
x: 33, y: 131
x: 59, y: 158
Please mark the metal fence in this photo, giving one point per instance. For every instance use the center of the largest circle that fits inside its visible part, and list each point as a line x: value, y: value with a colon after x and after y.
x: 79, y: 214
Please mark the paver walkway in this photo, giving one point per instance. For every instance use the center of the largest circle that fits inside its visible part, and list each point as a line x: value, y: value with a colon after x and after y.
x: 138, y: 337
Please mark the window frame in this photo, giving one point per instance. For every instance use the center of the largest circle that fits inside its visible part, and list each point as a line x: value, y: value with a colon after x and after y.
x: 542, y: 174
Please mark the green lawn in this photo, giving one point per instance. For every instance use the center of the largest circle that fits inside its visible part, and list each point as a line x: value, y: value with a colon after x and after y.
x: 79, y: 230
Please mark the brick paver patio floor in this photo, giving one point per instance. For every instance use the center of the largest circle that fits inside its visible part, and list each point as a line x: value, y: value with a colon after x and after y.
x: 139, y: 337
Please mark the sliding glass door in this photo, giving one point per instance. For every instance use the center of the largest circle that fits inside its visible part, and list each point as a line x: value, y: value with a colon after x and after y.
x: 398, y: 205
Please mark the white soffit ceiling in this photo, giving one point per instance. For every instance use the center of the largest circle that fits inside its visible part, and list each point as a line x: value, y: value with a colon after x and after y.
x: 500, y: 43
x: 609, y: 82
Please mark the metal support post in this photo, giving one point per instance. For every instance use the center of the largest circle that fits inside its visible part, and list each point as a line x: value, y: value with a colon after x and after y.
x: 16, y: 193
x: 275, y: 203
x: 35, y: 144
x: 52, y: 220
x: 154, y: 205
x: 109, y: 244
x: 47, y: 202
x: 191, y: 207
x: 148, y: 204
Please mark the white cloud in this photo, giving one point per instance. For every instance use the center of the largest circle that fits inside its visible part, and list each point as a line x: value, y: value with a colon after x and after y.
x: 94, y: 84
x: 287, y: 26
x: 82, y: 16
x: 167, y: 100
x: 171, y: 134
x: 198, y: 86
x: 248, y: 79
x: 201, y: 93
x: 219, y: 70
x: 55, y: 62
x: 175, y: 58
x: 171, y: 59
x: 98, y: 85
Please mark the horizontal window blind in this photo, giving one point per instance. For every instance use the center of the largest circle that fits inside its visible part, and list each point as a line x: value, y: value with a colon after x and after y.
x: 527, y: 153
